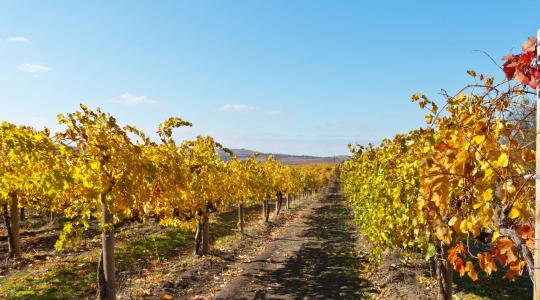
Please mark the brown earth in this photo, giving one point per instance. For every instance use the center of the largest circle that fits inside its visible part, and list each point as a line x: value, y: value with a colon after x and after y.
x: 312, y: 251
x: 315, y: 257
x: 321, y: 255
x: 191, y: 277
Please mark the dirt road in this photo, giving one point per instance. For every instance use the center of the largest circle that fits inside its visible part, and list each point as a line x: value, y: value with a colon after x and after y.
x: 314, y: 258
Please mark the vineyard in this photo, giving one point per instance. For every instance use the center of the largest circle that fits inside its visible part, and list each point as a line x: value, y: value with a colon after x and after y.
x: 99, y: 176
x: 460, y: 190
x: 360, y: 188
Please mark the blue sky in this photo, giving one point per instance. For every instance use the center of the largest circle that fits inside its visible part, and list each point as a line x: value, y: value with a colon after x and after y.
x: 300, y: 77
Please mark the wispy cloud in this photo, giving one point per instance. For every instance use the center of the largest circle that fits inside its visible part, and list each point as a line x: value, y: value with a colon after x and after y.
x: 34, y: 68
x: 235, y: 107
x: 275, y: 112
x: 128, y: 99
x: 18, y: 40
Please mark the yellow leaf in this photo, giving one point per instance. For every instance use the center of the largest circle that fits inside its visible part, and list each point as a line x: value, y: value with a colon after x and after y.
x: 489, y: 175
x: 166, y: 296
x: 442, y: 233
x: 478, y: 204
x: 519, y: 168
x: 514, y: 213
x: 463, y: 226
x: 502, y: 161
x: 479, y: 139
x: 487, y: 195
x: 467, y: 118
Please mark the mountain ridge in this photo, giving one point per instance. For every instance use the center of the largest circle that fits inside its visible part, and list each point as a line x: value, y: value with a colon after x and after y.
x: 292, y: 159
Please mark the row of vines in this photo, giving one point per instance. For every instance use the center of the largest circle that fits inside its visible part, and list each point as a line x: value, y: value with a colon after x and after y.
x: 96, y: 170
x: 461, y: 189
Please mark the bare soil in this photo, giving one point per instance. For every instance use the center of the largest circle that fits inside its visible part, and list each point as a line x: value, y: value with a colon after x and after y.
x: 314, y: 257
x: 312, y: 251
x: 316, y: 252
x: 203, y: 277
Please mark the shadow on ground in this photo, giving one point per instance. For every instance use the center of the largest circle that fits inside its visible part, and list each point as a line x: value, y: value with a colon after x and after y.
x: 496, y: 286
x: 327, y: 266
x: 73, y: 276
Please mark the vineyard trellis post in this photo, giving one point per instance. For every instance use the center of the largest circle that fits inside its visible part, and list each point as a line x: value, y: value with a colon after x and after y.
x: 537, y: 188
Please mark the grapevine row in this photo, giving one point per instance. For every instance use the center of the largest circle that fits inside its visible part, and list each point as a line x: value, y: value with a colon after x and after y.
x: 95, y: 169
x: 458, y: 189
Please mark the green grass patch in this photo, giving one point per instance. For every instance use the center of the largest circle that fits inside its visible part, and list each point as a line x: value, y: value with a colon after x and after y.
x: 494, y: 286
x: 57, y: 281
x: 156, y: 246
x: 75, y: 279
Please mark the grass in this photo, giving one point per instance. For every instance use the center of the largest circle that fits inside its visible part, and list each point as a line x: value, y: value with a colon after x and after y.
x: 75, y: 276
x: 493, y: 287
x: 57, y: 281
x: 155, y: 246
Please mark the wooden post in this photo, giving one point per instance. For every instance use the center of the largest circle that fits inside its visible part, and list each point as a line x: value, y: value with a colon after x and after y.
x: 537, y: 186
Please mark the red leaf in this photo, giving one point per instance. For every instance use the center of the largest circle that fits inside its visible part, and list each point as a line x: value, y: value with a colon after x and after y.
x: 522, y: 78
x: 509, y: 69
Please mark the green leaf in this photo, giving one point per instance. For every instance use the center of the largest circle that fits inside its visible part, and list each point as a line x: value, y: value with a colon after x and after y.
x: 431, y: 251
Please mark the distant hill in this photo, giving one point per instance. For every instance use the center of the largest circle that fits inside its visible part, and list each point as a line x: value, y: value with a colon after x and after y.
x: 285, y: 158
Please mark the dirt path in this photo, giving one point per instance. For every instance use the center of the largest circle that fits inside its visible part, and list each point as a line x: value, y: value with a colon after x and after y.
x: 314, y: 258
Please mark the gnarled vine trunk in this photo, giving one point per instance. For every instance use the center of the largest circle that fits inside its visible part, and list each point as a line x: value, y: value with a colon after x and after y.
x: 444, y: 273
x: 14, y: 214
x: 205, y: 236
x: 279, y: 202
x: 241, y: 218
x: 265, y: 211
x: 5, y: 211
x: 11, y: 219
x: 107, y: 253
x: 102, y: 287
x: 197, y: 247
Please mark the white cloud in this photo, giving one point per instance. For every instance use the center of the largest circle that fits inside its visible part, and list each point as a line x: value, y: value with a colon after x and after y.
x: 18, y: 40
x: 34, y: 68
x: 128, y: 99
x: 235, y: 107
